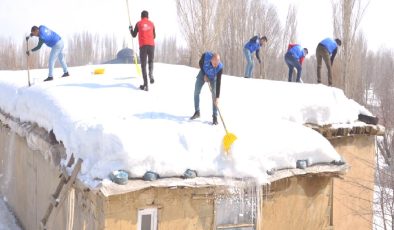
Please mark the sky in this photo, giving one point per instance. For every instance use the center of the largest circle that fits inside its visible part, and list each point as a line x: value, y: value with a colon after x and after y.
x: 315, y: 22
x: 110, y: 17
x: 138, y: 131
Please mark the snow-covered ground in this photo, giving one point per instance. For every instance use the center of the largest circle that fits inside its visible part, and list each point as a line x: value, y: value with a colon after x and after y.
x: 111, y: 124
x: 7, y: 219
x: 382, y: 199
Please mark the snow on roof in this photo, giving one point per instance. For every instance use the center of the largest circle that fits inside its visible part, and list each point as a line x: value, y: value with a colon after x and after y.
x: 111, y: 124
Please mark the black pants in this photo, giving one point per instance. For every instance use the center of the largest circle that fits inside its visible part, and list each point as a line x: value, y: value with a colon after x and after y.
x: 147, y: 52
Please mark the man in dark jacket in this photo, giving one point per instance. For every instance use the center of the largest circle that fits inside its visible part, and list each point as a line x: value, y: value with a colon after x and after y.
x: 326, y: 50
x: 146, y: 38
x: 53, y: 40
x: 253, y: 45
x: 211, y: 70
x: 294, y: 58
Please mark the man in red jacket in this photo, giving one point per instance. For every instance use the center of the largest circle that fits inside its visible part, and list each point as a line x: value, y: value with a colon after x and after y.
x: 146, y: 38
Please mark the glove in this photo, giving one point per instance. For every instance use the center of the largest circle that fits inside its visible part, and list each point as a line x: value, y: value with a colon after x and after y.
x: 28, y: 53
x: 131, y: 28
x: 27, y: 38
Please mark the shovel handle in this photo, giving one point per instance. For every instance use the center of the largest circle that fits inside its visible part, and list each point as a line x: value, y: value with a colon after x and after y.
x: 220, y: 114
x: 28, y: 63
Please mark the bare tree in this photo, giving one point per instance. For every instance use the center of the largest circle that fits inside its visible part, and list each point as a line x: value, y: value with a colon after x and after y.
x: 167, y: 51
x: 197, y: 19
x: 381, y: 102
x: 267, y: 21
x: 358, y: 70
x: 86, y: 48
x: 225, y: 27
x: 106, y: 48
x: 233, y: 35
x: 347, y: 15
x: 289, y: 31
x: 80, y: 49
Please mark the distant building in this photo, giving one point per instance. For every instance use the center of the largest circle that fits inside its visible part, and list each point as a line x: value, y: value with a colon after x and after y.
x: 124, y: 56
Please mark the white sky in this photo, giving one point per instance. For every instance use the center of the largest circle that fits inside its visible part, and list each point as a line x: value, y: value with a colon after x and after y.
x: 315, y: 22
x: 126, y: 128
x: 104, y: 16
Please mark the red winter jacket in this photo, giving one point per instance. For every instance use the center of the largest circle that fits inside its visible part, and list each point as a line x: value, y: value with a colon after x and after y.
x: 146, y: 32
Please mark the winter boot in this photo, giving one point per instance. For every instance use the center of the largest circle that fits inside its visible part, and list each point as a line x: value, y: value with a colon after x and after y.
x: 48, y: 79
x: 144, y: 87
x: 65, y: 74
x: 151, y: 79
x: 195, y: 115
x: 214, y: 120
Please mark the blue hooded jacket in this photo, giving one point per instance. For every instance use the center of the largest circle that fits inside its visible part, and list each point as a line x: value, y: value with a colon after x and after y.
x: 49, y: 37
x: 253, y: 44
x: 208, y: 68
x: 330, y: 45
x: 297, y: 51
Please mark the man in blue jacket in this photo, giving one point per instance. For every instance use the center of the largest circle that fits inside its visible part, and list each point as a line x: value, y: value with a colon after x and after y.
x: 53, y: 40
x: 294, y: 58
x: 253, y: 45
x: 326, y: 50
x: 211, y: 70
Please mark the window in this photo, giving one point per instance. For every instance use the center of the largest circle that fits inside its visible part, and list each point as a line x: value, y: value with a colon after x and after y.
x: 236, y: 211
x: 147, y: 219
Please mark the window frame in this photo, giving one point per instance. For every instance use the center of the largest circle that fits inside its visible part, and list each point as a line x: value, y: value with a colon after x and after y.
x: 147, y: 211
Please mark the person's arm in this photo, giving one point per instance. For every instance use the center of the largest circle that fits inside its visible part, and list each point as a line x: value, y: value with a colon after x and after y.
x: 302, y: 59
x: 40, y: 42
x: 258, y: 55
x: 201, y: 62
x: 218, y: 82
x: 135, y: 31
x: 333, y: 55
x: 154, y: 33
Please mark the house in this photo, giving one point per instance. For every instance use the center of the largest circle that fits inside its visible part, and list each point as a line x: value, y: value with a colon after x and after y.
x: 312, y: 188
x: 124, y: 56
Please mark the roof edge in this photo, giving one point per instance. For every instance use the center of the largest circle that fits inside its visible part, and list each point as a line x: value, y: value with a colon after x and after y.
x: 112, y: 189
x: 358, y: 129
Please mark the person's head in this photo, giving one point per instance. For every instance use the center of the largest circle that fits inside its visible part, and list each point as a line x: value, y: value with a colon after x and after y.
x: 305, y: 51
x: 144, y: 14
x: 34, y: 31
x: 263, y: 40
x: 215, y: 61
x: 338, y: 41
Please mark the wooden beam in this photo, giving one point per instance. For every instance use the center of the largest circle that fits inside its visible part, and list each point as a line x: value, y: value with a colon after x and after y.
x: 61, y: 193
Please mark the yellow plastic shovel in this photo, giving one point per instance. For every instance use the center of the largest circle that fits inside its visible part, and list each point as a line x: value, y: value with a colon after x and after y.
x: 229, y: 138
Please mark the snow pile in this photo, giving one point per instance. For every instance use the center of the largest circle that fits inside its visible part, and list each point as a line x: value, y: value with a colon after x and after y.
x: 7, y: 219
x: 111, y: 124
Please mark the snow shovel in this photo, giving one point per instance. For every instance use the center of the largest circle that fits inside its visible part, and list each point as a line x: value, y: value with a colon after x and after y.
x: 229, y: 138
x: 28, y: 61
x: 138, y: 67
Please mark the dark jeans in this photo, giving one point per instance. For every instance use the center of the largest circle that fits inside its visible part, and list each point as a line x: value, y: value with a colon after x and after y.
x: 292, y: 63
x: 147, y: 52
x: 197, y: 90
